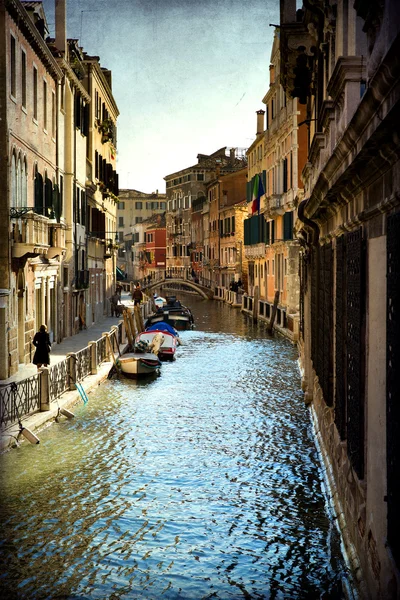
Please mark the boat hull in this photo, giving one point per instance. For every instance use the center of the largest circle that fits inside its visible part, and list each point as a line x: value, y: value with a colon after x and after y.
x: 139, y: 365
x: 180, y: 321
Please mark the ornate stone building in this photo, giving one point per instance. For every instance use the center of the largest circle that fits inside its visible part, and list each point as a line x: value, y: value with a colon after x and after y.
x: 341, y: 60
x: 32, y: 229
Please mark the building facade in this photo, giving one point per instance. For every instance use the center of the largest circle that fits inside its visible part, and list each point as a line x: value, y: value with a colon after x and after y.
x: 101, y: 189
x: 32, y: 227
x: 341, y: 61
x: 224, y: 251
x: 134, y: 207
x: 48, y: 152
x: 184, y: 188
x: 276, y: 158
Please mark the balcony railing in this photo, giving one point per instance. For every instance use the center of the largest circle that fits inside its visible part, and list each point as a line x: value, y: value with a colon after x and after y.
x: 255, y: 251
x: 56, y: 240
x: 30, y: 235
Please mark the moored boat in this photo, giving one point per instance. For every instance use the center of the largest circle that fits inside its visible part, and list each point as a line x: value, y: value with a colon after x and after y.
x: 174, y: 313
x: 144, y: 360
x: 135, y: 365
x: 168, y: 346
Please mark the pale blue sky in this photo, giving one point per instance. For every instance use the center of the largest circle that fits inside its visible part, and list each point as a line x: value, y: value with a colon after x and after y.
x: 188, y: 76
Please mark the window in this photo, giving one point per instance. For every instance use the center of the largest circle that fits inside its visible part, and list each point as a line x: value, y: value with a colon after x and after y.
x: 53, y: 115
x: 35, y: 93
x: 13, y: 68
x: 121, y: 205
x: 285, y: 174
x: 62, y: 93
x: 121, y: 222
x: 200, y: 176
x: 44, y: 105
x: 162, y: 205
x: 138, y: 206
x: 138, y: 219
x: 23, y: 78
x: 13, y: 181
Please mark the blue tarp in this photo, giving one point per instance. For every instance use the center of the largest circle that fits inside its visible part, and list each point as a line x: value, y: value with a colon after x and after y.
x: 162, y: 326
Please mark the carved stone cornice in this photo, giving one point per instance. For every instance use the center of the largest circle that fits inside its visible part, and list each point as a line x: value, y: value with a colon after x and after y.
x: 368, y: 147
x: 347, y: 68
x: 298, y: 45
x: 28, y: 28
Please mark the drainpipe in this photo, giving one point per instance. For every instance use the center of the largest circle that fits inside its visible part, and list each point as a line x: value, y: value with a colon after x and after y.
x: 307, y: 378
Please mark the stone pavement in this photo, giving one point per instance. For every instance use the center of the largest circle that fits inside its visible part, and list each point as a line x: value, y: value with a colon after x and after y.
x: 71, y: 344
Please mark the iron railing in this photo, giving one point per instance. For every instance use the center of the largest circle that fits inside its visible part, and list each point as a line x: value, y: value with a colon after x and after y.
x: 83, y: 363
x: 19, y: 399
x: 101, y: 350
x: 58, y: 379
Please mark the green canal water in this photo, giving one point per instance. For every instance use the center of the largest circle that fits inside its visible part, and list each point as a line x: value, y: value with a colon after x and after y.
x: 201, y: 483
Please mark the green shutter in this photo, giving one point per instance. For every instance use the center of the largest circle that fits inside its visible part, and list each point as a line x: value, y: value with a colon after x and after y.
x: 288, y: 226
x: 246, y: 227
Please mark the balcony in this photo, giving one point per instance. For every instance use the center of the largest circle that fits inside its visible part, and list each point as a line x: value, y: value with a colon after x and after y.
x: 30, y: 236
x: 56, y: 240
x: 275, y: 205
x: 255, y: 251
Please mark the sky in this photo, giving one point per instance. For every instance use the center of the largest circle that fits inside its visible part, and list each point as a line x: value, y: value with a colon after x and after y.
x: 187, y: 75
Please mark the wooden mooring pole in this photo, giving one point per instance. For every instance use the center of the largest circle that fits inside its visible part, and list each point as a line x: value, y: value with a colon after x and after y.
x: 273, y: 316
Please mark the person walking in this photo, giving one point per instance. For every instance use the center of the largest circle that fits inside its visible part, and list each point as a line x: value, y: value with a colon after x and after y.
x: 114, y: 301
x: 137, y: 295
x: 42, y: 343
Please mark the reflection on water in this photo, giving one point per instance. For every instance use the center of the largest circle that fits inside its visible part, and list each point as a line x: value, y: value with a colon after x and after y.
x: 202, y: 483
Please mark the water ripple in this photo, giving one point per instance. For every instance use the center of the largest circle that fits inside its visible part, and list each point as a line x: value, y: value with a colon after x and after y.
x: 202, y: 483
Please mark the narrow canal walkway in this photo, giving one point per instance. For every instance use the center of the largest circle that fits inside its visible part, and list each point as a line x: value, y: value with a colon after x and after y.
x: 201, y: 483
x: 73, y: 343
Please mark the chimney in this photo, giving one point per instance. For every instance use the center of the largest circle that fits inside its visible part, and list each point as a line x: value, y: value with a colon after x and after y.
x: 61, y: 26
x: 232, y: 155
x: 260, y: 121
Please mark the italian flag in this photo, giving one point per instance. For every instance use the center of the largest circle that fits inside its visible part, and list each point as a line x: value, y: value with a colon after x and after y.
x: 258, y: 191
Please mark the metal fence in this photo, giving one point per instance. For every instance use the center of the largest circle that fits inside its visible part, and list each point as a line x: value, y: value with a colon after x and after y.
x: 23, y: 398
x: 19, y: 399
x: 101, y: 350
x: 83, y: 363
x: 58, y: 379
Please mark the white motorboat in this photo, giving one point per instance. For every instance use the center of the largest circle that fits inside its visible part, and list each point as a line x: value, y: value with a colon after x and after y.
x: 135, y: 364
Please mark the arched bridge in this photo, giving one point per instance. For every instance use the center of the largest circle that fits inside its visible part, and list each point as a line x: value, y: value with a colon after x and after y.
x: 203, y: 291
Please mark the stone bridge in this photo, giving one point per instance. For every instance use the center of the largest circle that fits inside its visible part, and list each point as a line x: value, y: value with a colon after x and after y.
x: 202, y: 290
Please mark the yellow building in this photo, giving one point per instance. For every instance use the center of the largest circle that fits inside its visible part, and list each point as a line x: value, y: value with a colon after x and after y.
x: 101, y: 188
x: 276, y: 157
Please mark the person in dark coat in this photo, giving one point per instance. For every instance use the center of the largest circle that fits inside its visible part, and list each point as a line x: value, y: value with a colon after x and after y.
x: 137, y: 295
x: 42, y: 343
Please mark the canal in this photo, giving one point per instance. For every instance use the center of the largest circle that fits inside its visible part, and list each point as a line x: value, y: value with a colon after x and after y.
x: 201, y: 483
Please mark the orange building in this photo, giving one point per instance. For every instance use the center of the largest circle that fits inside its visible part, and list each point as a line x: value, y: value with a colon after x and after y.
x: 276, y: 158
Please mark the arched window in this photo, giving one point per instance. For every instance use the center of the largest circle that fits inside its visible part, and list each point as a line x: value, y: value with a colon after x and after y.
x: 48, y: 197
x: 39, y: 193
x: 24, y: 188
x: 13, y: 181
x: 19, y: 182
